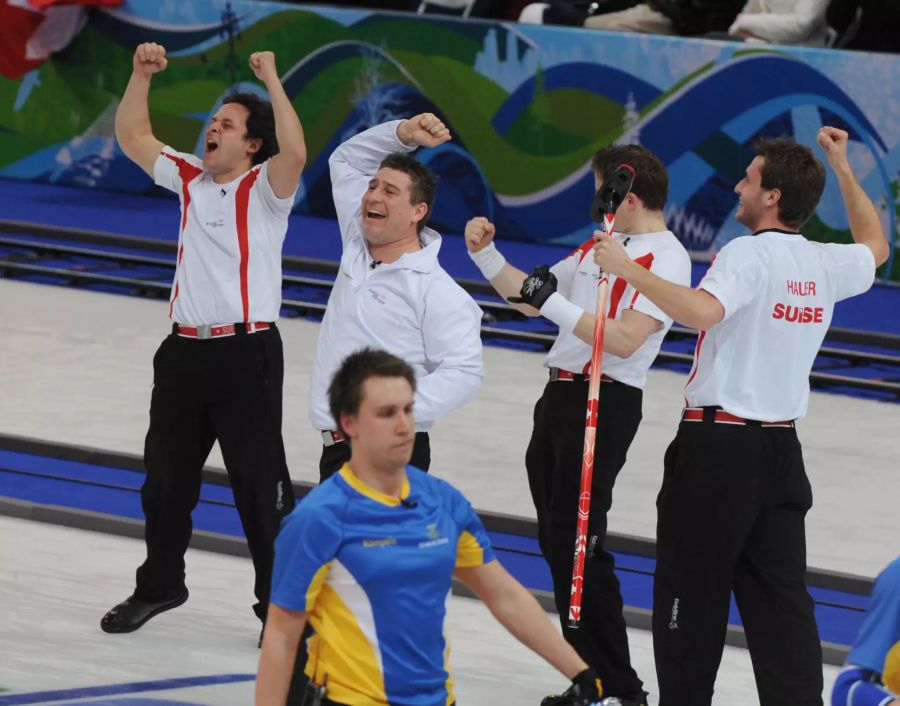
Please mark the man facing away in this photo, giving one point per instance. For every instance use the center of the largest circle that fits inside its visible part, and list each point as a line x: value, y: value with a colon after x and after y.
x: 732, y: 507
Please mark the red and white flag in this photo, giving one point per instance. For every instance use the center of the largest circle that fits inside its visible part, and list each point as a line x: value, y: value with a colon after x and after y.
x: 31, y: 30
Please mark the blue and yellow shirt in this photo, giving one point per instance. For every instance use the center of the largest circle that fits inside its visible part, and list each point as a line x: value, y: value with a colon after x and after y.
x: 373, y: 574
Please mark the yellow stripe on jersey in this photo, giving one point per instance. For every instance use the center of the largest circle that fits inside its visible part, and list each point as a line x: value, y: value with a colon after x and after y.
x: 341, y: 653
x: 348, y: 475
x: 890, y: 676
x: 469, y: 552
x: 449, y: 683
x: 315, y: 586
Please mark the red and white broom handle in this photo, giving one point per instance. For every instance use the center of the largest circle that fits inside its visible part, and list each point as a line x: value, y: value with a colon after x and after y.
x: 590, y: 435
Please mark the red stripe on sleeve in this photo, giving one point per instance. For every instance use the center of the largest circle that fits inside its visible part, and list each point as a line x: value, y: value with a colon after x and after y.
x: 582, y: 250
x: 618, y: 289
x: 188, y: 172
x: 242, y: 206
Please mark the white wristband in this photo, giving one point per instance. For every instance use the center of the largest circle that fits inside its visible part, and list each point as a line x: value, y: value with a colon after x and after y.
x: 488, y: 260
x: 561, y: 312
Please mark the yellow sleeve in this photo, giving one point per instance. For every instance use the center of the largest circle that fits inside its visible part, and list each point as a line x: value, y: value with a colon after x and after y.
x: 469, y: 552
x: 890, y: 676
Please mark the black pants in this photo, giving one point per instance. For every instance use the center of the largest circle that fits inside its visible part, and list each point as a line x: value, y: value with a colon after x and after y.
x: 553, y: 461
x: 335, y: 456
x: 731, y: 517
x: 226, y: 389
x: 332, y: 459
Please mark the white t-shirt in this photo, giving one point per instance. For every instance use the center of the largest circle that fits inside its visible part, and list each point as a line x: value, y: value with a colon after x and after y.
x: 778, y: 290
x: 578, y: 274
x: 229, y: 246
x: 411, y: 307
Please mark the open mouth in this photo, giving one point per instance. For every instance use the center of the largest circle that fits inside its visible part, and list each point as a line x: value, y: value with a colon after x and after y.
x: 375, y: 215
x: 211, y: 146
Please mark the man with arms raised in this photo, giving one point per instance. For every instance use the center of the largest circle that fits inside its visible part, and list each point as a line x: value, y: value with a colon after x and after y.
x: 218, y: 375
x: 391, y: 291
x: 733, y: 503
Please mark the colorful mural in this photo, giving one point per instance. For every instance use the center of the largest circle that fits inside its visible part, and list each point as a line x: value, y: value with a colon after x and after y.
x: 527, y: 105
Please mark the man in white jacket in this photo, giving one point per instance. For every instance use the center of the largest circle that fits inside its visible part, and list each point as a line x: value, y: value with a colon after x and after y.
x: 391, y: 292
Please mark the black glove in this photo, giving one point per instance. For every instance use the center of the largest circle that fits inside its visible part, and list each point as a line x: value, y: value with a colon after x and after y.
x: 586, y: 690
x: 612, y: 192
x: 537, y: 287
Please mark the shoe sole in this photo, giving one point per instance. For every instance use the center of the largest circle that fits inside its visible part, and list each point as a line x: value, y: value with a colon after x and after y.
x: 161, y: 609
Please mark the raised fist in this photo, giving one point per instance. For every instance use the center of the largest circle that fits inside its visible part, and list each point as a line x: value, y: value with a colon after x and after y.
x: 263, y: 65
x: 834, y: 142
x: 424, y: 130
x: 150, y: 58
x: 479, y: 233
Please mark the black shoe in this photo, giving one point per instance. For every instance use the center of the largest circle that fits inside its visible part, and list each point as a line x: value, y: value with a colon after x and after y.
x: 132, y: 613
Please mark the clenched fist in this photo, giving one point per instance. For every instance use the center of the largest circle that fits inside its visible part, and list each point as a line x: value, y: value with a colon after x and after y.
x: 834, y: 142
x: 150, y: 58
x: 263, y: 65
x: 479, y: 233
x: 610, y: 255
x: 424, y: 130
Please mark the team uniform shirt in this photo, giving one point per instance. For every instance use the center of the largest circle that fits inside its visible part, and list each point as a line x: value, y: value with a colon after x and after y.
x: 778, y: 290
x: 880, y: 630
x: 578, y: 275
x: 879, y: 634
x: 410, y: 307
x: 229, y: 245
x: 373, y: 574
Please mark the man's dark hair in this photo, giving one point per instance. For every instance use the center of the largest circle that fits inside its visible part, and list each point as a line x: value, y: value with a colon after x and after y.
x: 651, y: 180
x: 792, y: 169
x: 260, y: 123
x: 345, y: 390
x: 424, y: 183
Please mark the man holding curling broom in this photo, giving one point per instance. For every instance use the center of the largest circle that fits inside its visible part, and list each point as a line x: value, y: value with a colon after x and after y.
x: 567, y: 295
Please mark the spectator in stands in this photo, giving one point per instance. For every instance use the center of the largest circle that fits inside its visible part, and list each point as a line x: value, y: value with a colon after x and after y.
x: 869, y: 25
x: 871, y: 676
x: 400, y: 5
x: 570, y: 12
x: 685, y: 17
x: 782, y: 22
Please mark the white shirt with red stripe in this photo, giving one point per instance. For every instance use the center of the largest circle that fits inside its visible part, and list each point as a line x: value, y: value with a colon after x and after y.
x: 778, y: 290
x: 410, y: 307
x: 229, y: 246
x: 578, y: 275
